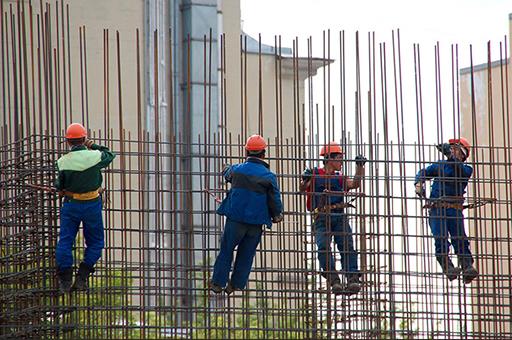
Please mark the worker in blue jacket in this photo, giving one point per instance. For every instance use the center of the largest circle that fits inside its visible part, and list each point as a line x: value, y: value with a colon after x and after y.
x: 449, y: 181
x: 253, y: 200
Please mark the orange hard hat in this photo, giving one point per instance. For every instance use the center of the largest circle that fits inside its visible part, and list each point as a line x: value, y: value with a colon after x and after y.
x: 76, y: 131
x: 255, y: 143
x: 332, y: 147
x: 461, y: 141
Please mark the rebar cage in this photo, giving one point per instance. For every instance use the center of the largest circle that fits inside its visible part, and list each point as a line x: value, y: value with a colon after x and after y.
x: 162, y: 232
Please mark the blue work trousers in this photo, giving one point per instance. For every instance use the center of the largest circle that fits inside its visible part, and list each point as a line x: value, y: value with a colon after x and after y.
x: 246, y: 237
x: 448, y: 221
x: 327, y: 226
x: 71, y: 215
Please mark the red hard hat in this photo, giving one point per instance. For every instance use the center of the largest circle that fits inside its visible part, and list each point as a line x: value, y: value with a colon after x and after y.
x: 76, y: 131
x: 461, y: 141
x: 332, y: 147
x: 255, y: 143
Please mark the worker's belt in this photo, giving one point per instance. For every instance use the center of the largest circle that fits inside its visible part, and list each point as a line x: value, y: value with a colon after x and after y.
x: 332, y: 208
x: 445, y: 205
x: 83, y: 196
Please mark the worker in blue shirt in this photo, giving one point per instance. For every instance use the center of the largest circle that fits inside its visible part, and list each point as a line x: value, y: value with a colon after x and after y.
x: 325, y: 188
x: 449, y: 181
x: 253, y: 200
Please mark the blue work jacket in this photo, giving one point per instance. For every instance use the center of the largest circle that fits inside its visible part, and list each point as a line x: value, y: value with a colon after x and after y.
x: 450, y: 179
x: 254, y: 196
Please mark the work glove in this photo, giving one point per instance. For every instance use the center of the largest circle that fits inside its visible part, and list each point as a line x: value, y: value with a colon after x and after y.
x: 420, y: 190
x: 445, y: 149
x: 361, y: 160
x: 307, y: 174
x: 88, y: 143
x: 278, y: 218
x: 227, y: 172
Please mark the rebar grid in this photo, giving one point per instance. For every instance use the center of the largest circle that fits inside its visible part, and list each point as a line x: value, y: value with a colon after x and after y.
x: 162, y: 233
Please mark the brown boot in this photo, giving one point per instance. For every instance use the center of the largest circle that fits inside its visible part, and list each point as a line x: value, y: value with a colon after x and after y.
x: 230, y: 288
x: 215, y: 288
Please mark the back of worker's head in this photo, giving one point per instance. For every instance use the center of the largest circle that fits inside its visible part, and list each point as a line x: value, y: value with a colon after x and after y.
x: 331, y: 151
x: 255, y: 146
x: 76, y: 134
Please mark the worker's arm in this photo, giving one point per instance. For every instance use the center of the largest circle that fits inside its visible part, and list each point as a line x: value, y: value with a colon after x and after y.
x: 107, y: 156
x: 464, y: 170
x: 423, y: 175
x: 275, y: 205
x: 426, y: 174
x: 59, y: 182
x: 304, y: 185
x: 468, y: 171
x: 355, y: 182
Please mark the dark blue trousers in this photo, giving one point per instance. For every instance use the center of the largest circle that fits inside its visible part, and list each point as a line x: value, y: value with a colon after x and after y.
x: 445, y: 223
x: 335, y: 225
x: 71, y: 215
x: 246, y: 237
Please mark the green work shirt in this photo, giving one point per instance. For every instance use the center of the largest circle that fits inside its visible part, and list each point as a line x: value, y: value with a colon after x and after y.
x: 80, y: 169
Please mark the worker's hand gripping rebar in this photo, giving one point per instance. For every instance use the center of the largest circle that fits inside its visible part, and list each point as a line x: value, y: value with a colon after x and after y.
x: 278, y: 218
x: 420, y: 190
x: 445, y: 149
x: 361, y: 160
x: 307, y: 174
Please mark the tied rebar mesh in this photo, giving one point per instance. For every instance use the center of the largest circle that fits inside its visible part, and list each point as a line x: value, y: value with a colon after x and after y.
x: 162, y: 233
x: 29, y: 221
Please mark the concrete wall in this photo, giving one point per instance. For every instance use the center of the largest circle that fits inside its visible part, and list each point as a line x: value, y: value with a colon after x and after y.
x: 122, y: 16
x: 489, y: 129
x: 95, y: 15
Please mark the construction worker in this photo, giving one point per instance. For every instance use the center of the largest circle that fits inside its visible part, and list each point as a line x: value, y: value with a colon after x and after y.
x: 449, y: 181
x: 325, y: 187
x: 79, y: 182
x: 253, y: 200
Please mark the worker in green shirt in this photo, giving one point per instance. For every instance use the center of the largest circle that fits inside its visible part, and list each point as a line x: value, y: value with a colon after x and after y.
x: 79, y: 181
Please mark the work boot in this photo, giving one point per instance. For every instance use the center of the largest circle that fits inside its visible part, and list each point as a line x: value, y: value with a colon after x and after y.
x: 334, y: 281
x: 331, y: 277
x: 353, y: 284
x: 215, y: 288
x: 448, y: 269
x: 82, y: 277
x: 469, y: 273
x: 65, y: 278
x: 337, y: 287
x: 230, y: 288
